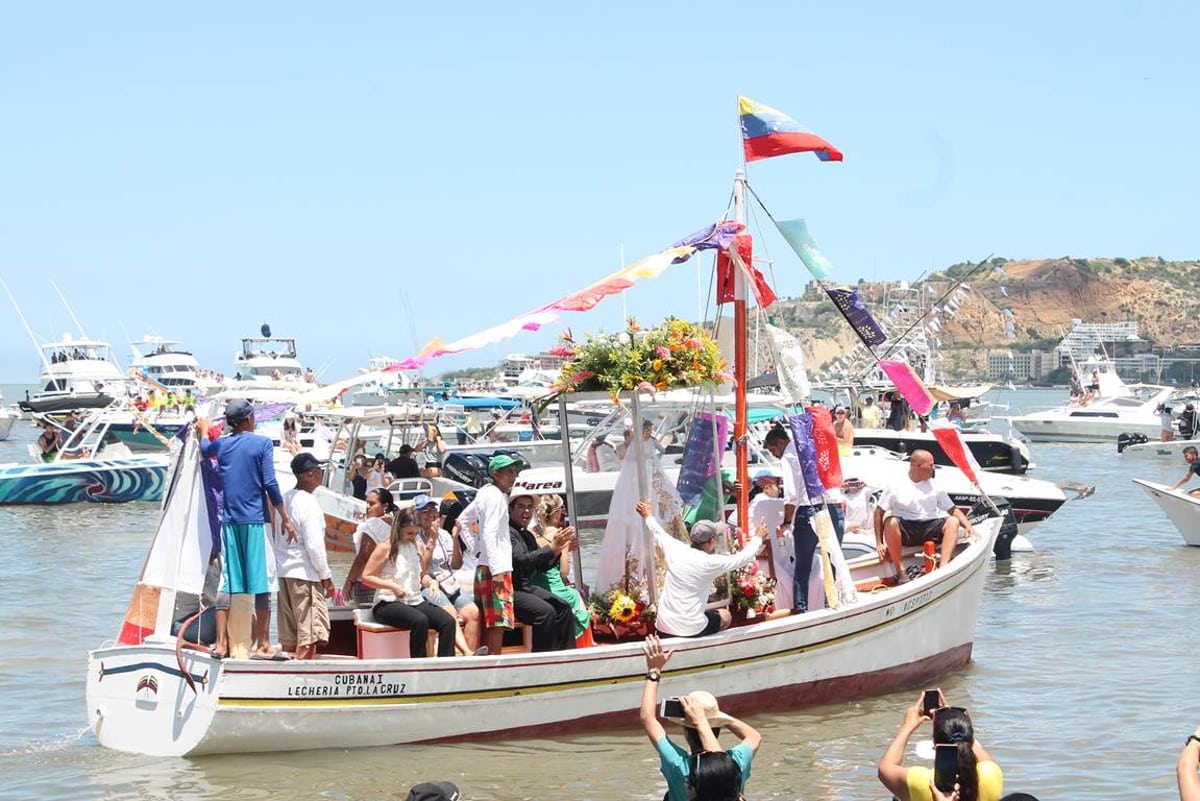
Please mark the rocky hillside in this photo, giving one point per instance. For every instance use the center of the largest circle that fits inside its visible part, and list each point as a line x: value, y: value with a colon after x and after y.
x: 1042, y: 295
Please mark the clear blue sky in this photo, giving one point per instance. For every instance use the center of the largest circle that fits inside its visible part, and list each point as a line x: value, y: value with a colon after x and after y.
x: 195, y: 171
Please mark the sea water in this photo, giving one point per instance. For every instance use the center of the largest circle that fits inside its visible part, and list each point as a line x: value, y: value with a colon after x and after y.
x: 1084, y: 682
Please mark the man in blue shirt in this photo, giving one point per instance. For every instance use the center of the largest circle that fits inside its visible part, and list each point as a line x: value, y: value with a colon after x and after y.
x: 246, y: 464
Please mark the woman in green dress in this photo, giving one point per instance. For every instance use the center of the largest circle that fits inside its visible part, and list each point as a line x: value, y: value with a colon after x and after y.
x: 550, y: 518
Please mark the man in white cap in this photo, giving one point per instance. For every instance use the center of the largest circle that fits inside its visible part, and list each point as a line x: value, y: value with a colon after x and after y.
x: 690, y: 574
x: 551, y: 618
x: 246, y: 464
x: 493, y: 576
x: 305, y: 580
x: 702, y: 721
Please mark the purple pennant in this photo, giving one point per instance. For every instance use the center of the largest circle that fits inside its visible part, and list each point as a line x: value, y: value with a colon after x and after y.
x: 855, y: 312
x: 717, y: 236
x: 802, y: 439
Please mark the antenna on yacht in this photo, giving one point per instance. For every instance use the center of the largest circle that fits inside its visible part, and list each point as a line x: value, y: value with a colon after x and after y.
x: 36, y: 345
x: 70, y: 311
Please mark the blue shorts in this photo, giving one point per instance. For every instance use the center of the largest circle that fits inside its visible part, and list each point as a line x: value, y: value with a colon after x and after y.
x: 245, y: 559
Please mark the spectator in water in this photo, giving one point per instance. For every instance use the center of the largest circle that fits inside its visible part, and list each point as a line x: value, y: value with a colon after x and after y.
x: 979, y: 777
x: 705, y: 770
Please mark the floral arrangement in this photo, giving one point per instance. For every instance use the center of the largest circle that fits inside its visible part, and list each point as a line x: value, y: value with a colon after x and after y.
x: 675, y: 354
x: 752, y: 589
x: 622, y: 612
x: 615, y: 606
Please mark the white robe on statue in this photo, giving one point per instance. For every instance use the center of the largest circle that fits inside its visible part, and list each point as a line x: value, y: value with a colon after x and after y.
x: 783, y: 551
x: 625, y: 535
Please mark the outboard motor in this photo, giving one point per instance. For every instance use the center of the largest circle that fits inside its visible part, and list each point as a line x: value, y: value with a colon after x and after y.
x: 1008, y: 529
x: 1125, y: 440
x: 472, y: 468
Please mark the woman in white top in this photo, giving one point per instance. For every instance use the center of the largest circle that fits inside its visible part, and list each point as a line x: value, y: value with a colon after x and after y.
x: 370, y: 532
x: 395, y: 572
x: 375, y: 473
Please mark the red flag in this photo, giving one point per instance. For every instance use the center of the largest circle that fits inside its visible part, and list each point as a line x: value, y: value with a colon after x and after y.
x: 741, y: 257
x: 952, y: 443
x: 829, y: 464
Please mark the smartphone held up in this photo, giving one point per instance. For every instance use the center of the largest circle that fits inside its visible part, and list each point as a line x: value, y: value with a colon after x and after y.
x: 670, y: 708
x: 930, y: 701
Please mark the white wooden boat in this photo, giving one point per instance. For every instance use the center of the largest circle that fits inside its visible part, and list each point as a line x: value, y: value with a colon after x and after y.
x: 144, y: 697
x: 1182, y: 508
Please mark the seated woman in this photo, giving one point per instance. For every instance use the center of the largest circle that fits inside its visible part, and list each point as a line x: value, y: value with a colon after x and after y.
x: 979, y: 777
x: 370, y: 532
x: 441, y: 555
x: 550, y: 518
x: 291, y: 435
x: 394, y: 570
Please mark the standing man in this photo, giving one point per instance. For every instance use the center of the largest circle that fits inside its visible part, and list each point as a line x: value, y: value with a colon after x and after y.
x: 305, y: 580
x: 1189, y: 456
x: 870, y: 415
x: 493, y: 548
x: 247, y: 470
x: 798, y: 512
x: 913, y: 511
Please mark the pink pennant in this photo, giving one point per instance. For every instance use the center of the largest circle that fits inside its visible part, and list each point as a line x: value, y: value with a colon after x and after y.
x: 910, y: 386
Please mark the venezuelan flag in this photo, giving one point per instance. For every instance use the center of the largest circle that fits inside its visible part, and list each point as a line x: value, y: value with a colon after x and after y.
x: 768, y: 132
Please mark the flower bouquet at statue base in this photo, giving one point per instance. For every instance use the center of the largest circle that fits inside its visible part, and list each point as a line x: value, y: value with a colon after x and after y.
x: 622, y: 613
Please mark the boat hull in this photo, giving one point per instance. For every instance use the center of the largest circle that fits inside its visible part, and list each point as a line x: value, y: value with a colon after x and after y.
x: 56, y: 402
x: 84, y: 480
x: 1181, y: 508
x: 138, y: 699
x: 993, y: 452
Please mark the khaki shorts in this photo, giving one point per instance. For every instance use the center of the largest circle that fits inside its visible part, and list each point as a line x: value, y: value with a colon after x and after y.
x: 303, y: 614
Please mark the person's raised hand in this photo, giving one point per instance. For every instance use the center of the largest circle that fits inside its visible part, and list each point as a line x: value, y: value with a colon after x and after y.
x: 656, y: 657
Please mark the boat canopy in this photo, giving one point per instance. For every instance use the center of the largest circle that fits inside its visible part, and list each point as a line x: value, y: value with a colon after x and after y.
x: 944, y: 392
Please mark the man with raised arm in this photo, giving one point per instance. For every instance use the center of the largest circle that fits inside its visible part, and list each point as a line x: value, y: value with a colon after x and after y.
x: 690, y: 574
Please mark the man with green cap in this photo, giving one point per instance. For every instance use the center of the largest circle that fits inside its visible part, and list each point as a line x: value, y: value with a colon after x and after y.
x: 493, y: 576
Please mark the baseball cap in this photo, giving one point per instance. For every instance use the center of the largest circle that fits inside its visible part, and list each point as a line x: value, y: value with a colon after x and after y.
x: 421, y: 501
x: 433, y: 791
x: 238, y: 410
x: 500, y: 461
x: 303, y: 462
x: 704, y: 530
x: 520, y: 492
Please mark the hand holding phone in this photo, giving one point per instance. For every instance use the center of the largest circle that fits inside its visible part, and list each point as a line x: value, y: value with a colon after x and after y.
x: 671, y: 708
x: 945, y: 767
x: 930, y: 701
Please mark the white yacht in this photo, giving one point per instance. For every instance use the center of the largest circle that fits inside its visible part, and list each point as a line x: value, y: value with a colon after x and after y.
x: 268, y: 363
x: 8, y: 417
x: 161, y: 361
x: 76, y: 374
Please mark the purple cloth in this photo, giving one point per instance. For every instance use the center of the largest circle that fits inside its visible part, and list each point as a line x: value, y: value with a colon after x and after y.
x: 855, y: 312
x: 802, y: 438
x: 718, y: 236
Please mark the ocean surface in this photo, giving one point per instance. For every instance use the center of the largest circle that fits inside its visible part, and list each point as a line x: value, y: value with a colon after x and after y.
x: 1083, y: 685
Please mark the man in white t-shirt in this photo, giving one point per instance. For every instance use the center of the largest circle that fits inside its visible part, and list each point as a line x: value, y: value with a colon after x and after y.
x: 493, y: 575
x: 303, y: 571
x: 913, y: 511
x: 690, y: 574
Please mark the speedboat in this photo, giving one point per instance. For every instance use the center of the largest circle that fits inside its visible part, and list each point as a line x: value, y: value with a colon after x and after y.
x: 1102, y: 419
x: 996, y: 453
x: 1181, y: 507
x: 91, y: 466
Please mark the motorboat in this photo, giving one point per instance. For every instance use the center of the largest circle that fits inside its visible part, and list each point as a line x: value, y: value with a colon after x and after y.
x: 1181, y: 508
x: 145, y: 695
x: 76, y: 374
x: 996, y: 453
x: 8, y: 418
x: 1144, y: 448
x: 91, y: 466
x: 1107, y: 408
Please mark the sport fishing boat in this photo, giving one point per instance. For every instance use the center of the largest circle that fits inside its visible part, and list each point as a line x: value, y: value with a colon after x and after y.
x: 1181, y: 508
x: 76, y: 374
x: 146, y: 694
x: 169, y: 368
x: 92, y: 466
